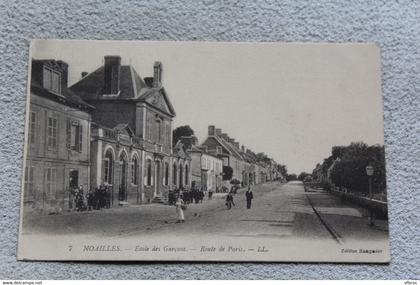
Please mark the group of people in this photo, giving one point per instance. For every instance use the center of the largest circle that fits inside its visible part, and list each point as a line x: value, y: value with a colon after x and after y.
x: 248, y: 194
x: 94, y: 199
x: 180, y: 204
x: 188, y: 196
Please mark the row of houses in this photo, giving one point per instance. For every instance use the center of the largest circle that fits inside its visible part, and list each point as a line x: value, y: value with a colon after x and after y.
x: 114, y: 128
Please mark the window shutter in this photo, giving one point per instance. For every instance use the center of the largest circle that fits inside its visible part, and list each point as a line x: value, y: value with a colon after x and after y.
x: 80, y: 137
x: 68, y: 134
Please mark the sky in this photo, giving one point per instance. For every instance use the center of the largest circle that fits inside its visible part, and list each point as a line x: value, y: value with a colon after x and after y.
x: 292, y: 101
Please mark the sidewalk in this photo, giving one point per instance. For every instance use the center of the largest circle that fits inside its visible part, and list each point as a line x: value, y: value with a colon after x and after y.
x: 349, y: 221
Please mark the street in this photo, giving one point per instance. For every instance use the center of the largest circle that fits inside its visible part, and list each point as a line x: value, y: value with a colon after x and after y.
x: 278, y: 211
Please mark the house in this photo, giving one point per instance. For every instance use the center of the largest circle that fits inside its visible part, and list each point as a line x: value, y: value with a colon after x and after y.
x: 207, y: 168
x: 132, y: 142
x: 58, y: 139
x: 229, y: 151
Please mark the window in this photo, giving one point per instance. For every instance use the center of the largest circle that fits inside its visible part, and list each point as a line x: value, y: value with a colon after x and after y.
x: 159, y: 131
x: 52, y: 132
x: 166, y: 177
x: 75, y: 135
x: 32, y: 126
x: 108, y: 167
x: 52, y: 80
x: 51, y: 183
x: 134, y: 170
x: 149, y: 172
x: 174, y: 173
x: 29, y: 181
x: 168, y: 134
x: 187, y: 182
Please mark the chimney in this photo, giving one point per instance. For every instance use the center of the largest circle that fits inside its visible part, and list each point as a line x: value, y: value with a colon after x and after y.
x: 65, y: 73
x: 218, y: 132
x: 243, y: 148
x: 83, y: 74
x: 237, y: 145
x: 225, y: 136
x: 157, y: 74
x: 211, y: 130
x: 232, y: 141
x: 112, y: 70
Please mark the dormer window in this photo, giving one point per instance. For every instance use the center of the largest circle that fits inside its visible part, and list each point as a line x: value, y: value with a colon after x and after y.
x: 52, y: 80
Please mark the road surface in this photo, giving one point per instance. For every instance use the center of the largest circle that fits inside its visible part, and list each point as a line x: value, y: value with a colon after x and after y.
x: 278, y: 211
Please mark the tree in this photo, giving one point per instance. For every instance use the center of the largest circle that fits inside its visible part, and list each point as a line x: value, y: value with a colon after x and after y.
x: 303, y: 175
x: 291, y: 177
x: 227, y: 172
x: 350, y: 170
x: 282, y: 169
x: 182, y: 131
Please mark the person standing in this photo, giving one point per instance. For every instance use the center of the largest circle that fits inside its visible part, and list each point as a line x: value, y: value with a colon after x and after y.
x: 229, y: 200
x: 249, y: 197
x: 179, y: 211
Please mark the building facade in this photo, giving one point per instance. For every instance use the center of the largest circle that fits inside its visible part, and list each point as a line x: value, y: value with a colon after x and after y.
x: 207, y: 168
x: 132, y: 146
x: 246, y: 165
x: 58, y: 140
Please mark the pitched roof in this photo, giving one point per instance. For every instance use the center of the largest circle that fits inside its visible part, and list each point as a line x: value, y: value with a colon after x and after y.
x: 92, y: 85
x: 132, y: 87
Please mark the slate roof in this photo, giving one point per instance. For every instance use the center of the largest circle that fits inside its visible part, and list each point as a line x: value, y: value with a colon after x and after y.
x: 132, y: 87
x: 229, y: 147
x: 92, y: 85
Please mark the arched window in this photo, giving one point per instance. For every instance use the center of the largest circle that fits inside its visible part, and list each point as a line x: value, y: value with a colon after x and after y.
x: 149, y: 172
x: 174, y: 173
x: 108, y: 166
x: 134, y: 170
x: 187, y: 182
x: 166, y: 177
x: 181, y: 184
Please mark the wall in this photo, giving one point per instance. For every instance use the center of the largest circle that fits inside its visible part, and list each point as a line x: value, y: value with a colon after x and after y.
x: 61, y: 159
x: 393, y: 25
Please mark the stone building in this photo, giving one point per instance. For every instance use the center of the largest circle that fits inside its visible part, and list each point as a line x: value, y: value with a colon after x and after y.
x: 248, y: 167
x: 132, y: 141
x: 232, y: 154
x: 58, y: 136
x: 207, y: 168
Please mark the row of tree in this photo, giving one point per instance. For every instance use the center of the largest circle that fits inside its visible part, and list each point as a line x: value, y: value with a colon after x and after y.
x: 346, y: 167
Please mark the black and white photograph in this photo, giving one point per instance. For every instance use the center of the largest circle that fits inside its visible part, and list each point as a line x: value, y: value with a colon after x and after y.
x: 204, y: 151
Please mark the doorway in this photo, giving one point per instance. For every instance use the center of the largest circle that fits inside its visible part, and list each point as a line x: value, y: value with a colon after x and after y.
x: 123, y: 182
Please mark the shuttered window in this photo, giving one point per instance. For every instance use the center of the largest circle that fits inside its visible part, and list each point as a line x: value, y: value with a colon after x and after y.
x: 75, y: 135
x: 52, y: 80
x: 32, y: 128
x: 29, y: 181
x: 52, y: 133
x: 51, y: 181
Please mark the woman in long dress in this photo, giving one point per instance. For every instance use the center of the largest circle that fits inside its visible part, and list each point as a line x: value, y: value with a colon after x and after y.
x: 179, y: 211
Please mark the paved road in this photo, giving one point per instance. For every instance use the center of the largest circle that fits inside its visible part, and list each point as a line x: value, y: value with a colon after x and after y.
x: 278, y: 211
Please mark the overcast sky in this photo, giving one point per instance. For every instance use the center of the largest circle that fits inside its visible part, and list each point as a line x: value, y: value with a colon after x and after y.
x: 291, y: 101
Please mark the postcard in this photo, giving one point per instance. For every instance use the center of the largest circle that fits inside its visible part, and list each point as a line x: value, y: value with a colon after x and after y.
x: 204, y: 151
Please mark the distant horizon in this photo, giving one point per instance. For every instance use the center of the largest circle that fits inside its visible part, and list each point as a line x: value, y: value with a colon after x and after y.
x: 293, y: 102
